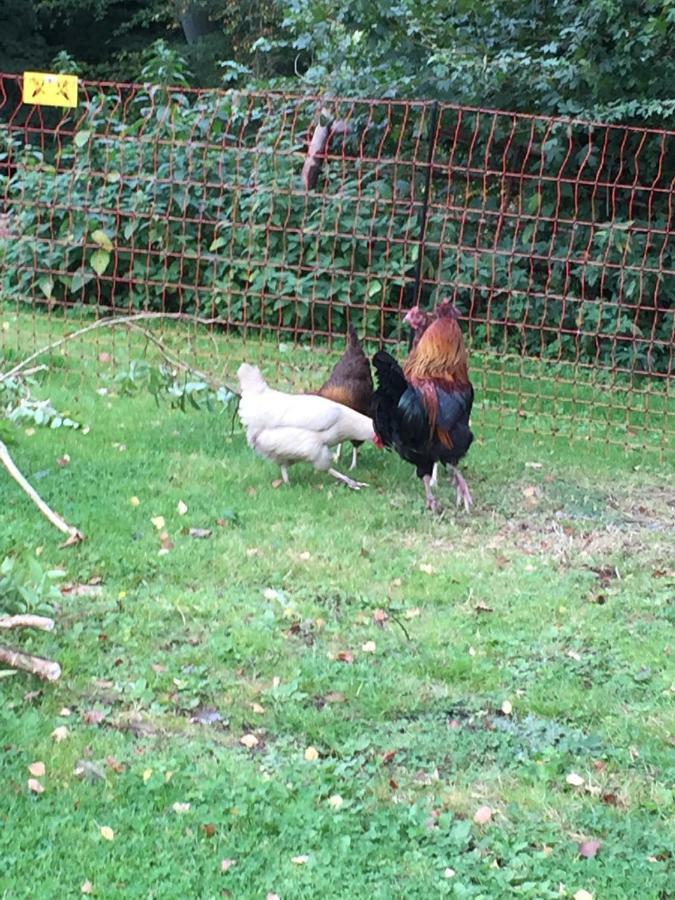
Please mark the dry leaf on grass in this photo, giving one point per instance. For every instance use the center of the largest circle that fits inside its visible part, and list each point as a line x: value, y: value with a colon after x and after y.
x: 257, y: 708
x: 158, y: 522
x: 483, y: 608
x: 583, y: 895
x: 180, y: 807
x: 575, y: 780
x: 299, y: 860
x: 589, y: 849
x: 449, y: 873
x: 507, y: 708
x: 344, y: 656
x: 482, y: 815
x: 226, y: 864
x: 107, y: 833
x: 207, y: 715
x: 311, y: 754
x: 411, y: 613
x: 181, y: 508
x: 200, y: 533
x: 86, y: 888
x: 81, y: 590
x: 37, y: 769
x: 35, y: 786
x: 426, y: 568
x: 94, y: 716
x: 85, y: 768
x: 249, y: 741
x: 335, y: 801
x: 369, y: 647
x: 60, y: 734
x: 134, y: 501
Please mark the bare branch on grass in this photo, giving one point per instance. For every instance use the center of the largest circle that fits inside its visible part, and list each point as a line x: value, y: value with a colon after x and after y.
x: 46, y: 669
x: 43, y: 623
x: 74, y: 535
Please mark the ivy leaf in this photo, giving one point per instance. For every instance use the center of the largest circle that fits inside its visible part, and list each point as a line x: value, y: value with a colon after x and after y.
x: 46, y: 285
x: 99, y: 261
x: 80, y: 277
x: 102, y: 238
x: 81, y: 138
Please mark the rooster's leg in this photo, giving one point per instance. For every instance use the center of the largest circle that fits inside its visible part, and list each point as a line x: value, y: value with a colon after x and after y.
x: 345, y: 479
x: 284, y: 475
x: 434, y: 476
x: 336, y: 454
x: 463, y: 492
x: 355, y: 457
x: 432, y: 502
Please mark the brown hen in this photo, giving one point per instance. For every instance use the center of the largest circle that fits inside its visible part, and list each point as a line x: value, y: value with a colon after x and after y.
x: 351, y: 384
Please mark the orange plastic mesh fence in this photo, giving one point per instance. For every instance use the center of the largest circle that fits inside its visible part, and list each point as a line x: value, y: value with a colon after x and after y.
x: 283, y: 218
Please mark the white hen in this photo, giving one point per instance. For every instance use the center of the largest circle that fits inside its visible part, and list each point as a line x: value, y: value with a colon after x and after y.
x: 290, y: 428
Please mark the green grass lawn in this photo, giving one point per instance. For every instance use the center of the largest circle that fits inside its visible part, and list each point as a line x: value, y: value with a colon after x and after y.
x: 353, y: 624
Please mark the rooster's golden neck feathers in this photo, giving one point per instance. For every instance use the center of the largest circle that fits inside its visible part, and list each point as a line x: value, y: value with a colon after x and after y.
x: 440, y: 355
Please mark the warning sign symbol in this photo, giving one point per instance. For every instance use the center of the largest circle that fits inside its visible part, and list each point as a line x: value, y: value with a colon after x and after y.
x: 47, y: 89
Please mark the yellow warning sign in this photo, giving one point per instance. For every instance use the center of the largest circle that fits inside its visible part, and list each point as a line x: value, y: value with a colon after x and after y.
x: 46, y: 89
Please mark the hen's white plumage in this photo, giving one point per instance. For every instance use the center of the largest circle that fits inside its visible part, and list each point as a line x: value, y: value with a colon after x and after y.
x: 290, y: 428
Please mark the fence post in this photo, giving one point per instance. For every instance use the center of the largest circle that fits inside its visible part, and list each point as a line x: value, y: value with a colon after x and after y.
x: 433, y: 122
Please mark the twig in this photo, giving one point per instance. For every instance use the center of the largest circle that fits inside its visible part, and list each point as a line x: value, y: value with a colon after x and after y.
x: 173, y: 360
x: 74, y: 535
x: 27, y: 621
x: 36, y: 665
x: 400, y: 625
x: 32, y: 371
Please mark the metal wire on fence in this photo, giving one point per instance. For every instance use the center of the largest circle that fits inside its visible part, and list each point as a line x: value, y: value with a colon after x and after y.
x: 287, y: 217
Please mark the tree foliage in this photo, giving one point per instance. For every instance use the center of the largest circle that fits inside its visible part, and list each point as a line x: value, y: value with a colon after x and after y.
x: 606, y: 59
x: 598, y: 58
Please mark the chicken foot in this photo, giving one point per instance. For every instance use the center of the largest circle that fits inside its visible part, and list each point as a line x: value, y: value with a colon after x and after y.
x: 432, y: 502
x: 345, y: 479
x: 463, y: 492
x: 355, y: 458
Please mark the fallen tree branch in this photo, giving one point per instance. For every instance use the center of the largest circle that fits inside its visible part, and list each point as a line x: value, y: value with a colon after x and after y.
x: 173, y: 360
x: 109, y: 322
x: 43, y: 623
x: 36, y: 665
x: 74, y: 535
